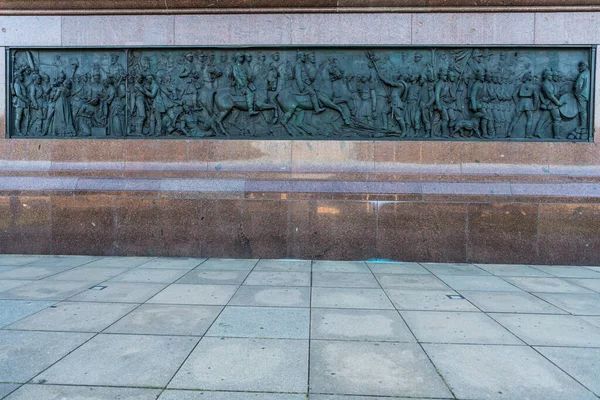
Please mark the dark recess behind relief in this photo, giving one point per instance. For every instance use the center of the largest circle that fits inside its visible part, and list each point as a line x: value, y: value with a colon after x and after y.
x: 443, y: 93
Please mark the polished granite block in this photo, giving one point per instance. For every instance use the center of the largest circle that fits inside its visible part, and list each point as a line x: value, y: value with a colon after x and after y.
x: 25, y: 224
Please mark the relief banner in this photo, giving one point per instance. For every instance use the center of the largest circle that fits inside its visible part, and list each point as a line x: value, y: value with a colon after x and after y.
x: 337, y: 93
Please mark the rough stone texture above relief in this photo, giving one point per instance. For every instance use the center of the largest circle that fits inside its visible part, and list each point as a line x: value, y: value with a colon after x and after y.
x: 340, y: 93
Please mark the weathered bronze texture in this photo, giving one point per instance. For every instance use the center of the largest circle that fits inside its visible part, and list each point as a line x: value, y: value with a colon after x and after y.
x: 340, y: 93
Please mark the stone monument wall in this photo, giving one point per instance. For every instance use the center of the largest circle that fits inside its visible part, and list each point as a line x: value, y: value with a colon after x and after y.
x: 484, y: 201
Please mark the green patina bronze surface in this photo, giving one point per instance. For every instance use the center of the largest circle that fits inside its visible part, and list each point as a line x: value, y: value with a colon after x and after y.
x: 340, y: 93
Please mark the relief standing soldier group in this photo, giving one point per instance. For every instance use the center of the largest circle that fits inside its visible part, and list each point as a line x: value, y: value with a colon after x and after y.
x: 438, y: 93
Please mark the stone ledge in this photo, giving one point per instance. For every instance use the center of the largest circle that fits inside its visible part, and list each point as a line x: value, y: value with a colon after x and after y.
x: 87, y: 7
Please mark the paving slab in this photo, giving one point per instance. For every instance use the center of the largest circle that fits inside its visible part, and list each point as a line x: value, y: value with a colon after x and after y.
x: 201, y: 277
x: 63, y: 261
x: 367, y: 325
x: 195, y: 395
x: 574, y: 303
x: 166, y: 319
x: 262, y: 322
x: 121, y: 360
x: 27, y: 272
x: 58, y: 392
x: 551, y: 330
x: 581, y: 364
x: 259, y: 365
x: 335, y: 279
x: 512, y: 270
x: 549, y: 285
x: 284, y: 265
x: 340, y: 266
x: 411, y: 282
x: 569, y: 271
x: 6, y: 388
x: 121, y: 292
x: 23, y: 354
x: 173, y: 263
x: 373, y: 368
x: 592, y: 284
x: 276, y: 278
x: 265, y: 296
x: 591, y: 320
x: 502, y: 372
x: 484, y: 283
x: 510, y: 302
x: 92, y: 274
x: 14, y: 310
x: 195, y: 294
x: 46, y: 290
x: 327, y: 397
x: 119, y: 262
x: 227, y: 264
x: 74, y: 317
x: 397, y: 268
x: 350, y: 298
x: 457, y: 327
x: 454, y: 269
x: 11, y: 283
x: 150, y: 275
x: 428, y: 300
x: 15, y: 259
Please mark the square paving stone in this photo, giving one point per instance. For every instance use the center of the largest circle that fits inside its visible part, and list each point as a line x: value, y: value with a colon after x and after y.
x: 510, y: 302
x: 150, y: 275
x: 423, y: 300
x: 397, y: 268
x: 195, y: 294
x: 569, y: 272
x: 592, y: 284
x: 454, y: 269
x: 263, y: 296
x: 414, y: 282
x: 456, y: 327
x: 372, y: 325
x: 335, y: 279
x: 11, y: 283
x: 275, y: 278
x: 46, y: 290
x: 326, y: 397
x: 64, y: 261
x: 267, y: 365
x: 87, y: 274
x: 14, y: 310
x: 31, y: 272
x: 225, y: 264
x: 549, y: 285
x: 262, y: 322
x: 121, y: 292
x: 76, y: 317
x: 502, y: 372
x: 512, y: 270
x: 551, y: 330
x: 575, y: 303
x: 592, y: 320
x: 195, y: 395
x: 166, y: 319
x: 377, y: 369
x: 173, y: 263
x: 581, y: 364
x: 121, y: 360
x: 14, y: 259
x: 58, y: 392
x: 350, y: 298
x: 284, y: 265
x: 23, y: 355
x: 6, y: 388
x: 199, y: 276
x: 119, y: 262
x: 340, y: 266
x: 483, y: 283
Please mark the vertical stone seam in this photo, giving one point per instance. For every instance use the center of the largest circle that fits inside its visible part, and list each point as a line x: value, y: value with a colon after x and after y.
x: 467, y: 257
x: 535, y: 17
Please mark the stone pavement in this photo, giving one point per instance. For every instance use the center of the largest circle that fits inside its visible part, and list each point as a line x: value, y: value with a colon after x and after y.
x: 81, y: 327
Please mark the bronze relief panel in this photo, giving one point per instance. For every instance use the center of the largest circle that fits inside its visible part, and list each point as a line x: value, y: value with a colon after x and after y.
x: 337, y: 93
